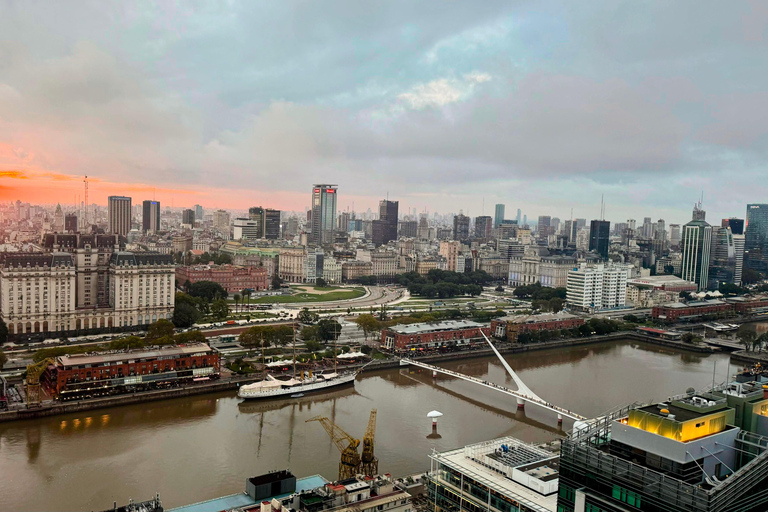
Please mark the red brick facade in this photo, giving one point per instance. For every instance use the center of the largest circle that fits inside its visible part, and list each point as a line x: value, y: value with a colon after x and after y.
x: 431, y: 337
x: 232, y: 278
x: 101, y: 375
x: 510, y: 328
x: 745, y: 307
x: 672, y: 314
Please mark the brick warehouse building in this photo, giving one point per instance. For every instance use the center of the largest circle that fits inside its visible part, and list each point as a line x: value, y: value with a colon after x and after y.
x: 509, y: 327
x: 432, y: 336
x: 675, y: 311
x: 82, y: 375
x: 231, y: 277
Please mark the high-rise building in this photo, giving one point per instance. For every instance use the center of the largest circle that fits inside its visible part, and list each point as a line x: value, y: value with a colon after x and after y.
x: 385, y: 228
x: 70, y: 223
x: 600, y: 237
x: 119, y: 215
x: 150, y: 221
x: 519, y: 217
x: 198, y: 212
x: 648, y: 227
x: 498, y: 217
x: 247, y: 229
x: 738, y: 252
x: 598, y: 287
x: 271, y: 224
x: 461, y: 227
x: 221, y: 221
x: 722, y: 268
x: 188, y: 218
x: 544, y: 226
x: 736, y: 225
x: 483, y: 227
x: 632, y: 224
x: 555, y: 225
x: 756, y: 234
x: 674, y: 234
x: 696, y: 246
x: 323, y: 214
x: 408, y: 228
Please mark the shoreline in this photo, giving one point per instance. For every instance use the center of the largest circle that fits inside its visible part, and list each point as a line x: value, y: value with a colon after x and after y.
x: 234, y: 382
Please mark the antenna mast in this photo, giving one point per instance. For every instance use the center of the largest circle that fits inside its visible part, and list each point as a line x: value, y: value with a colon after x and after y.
x: 85, y: 214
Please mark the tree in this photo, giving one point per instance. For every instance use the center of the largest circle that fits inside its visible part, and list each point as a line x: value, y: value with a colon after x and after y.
x: 320, y: 282
x: 276, y: 281
x: 691, y: 338
x: 190, y: 337
x: 127, y: 343
x: 185, y: 314
x: 306, y: 316
x: 207, y: 290
x: 313, y: 346
x: 368, y: 324
x: 246, y: 293
x: 328, y: 329
x: 220, y: 309
x: 3, y: 333
x: 750, y: 276
x: 159, y: 329
x: 556, y: 304
x: 236, y: 298
x: 747, y: 336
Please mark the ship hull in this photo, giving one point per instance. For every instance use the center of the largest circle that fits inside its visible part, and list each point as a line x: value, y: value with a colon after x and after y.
x: 305, y: 389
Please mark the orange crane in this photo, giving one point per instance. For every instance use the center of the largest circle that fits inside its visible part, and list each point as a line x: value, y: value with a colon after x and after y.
x: 370, y: 464
x: 349, y: 465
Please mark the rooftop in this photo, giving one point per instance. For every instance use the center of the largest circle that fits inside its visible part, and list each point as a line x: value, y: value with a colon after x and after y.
x: 243, y: 500
x: 447, y: 325
x: 82, y: 359
x: 693, y: 304
x: 532, y: 319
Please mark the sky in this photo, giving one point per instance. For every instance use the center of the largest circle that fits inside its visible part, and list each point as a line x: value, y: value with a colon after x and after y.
x: 542, y: 106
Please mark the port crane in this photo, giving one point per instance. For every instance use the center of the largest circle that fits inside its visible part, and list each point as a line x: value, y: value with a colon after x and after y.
x: 34, y: 371
x: 370, y: 464
x: 350, y: 457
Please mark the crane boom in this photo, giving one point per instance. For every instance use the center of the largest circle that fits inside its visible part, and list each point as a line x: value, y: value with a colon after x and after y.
x: 349, y: 465
x: 369, y: 437
x: 34, y: 371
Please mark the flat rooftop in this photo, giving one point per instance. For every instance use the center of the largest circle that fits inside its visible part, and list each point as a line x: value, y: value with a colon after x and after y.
x: 83, y: 359
x: 447, y: 325
x: 532, y: 319
x: 243, y: 500
x: 693, y: 304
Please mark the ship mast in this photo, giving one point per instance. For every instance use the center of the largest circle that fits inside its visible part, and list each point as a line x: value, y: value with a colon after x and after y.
x: 335, y: 337
x: 294, y: 350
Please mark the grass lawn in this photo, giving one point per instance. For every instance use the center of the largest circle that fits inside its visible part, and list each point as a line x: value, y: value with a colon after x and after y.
x: 338, y: 294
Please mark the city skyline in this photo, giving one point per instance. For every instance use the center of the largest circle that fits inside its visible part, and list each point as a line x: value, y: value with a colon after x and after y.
x: 482, y: 103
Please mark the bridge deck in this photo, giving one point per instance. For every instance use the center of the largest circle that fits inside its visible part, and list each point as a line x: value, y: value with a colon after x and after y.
x: 517, y: 394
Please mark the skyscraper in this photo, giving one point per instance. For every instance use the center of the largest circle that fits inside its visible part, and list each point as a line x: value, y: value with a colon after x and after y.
x: 600, y: 237
x: 483, y: 227
x: 198, y: 212
x: 519, y: 216
x: 119, y: 215
x: 271, y: 224
x: 544, y: 226
x: 70, y: 223
x: 736, y: 225
x: 499, y: 216
x: 461, y: 227
x: 738, y: 251
x: 722, y: 267
x: 323, y: 214
x: 696, y: 245
x: 385, y: 228
x: 256, y: 214
x: 756, y: 234
x: 150, y: 220
x: 674, y: 234
x: 188, y: 218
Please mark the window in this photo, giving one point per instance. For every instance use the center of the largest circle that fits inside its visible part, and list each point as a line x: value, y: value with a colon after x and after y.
x: 567, y: 493
x: 593, y: 508
x: 628, y: 497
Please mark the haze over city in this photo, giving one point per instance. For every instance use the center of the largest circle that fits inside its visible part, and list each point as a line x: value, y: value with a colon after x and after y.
x: 507, y: 101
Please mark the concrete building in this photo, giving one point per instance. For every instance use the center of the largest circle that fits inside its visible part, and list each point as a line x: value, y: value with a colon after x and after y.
x: 598, y: 287
x: 247, y: 229
x: 461, y: 227
x: 291, y: 265
x: 538, y: 265
x: 674, y: 234
x: 696, y: 246
x: 692, y: 310
x: 698, y: 452
x: 221, y: 223
x: 501, y: 475
x: 385, y: 266
x: 450, y: 251
x: 483, y: 227
x: 142, y: 288
x: 323, y: 210
x: 150, y: 220
x: 646, y: 292
x: 352, y: 271
x: 722, y: 263
x: 385, y: 228
x: 119, y: 215
x: 332, y: 270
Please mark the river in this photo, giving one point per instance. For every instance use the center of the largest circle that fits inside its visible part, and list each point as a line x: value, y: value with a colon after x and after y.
x: 196, y: 448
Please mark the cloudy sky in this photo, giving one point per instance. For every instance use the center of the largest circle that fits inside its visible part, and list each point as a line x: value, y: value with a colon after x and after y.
x: 542, y: 106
